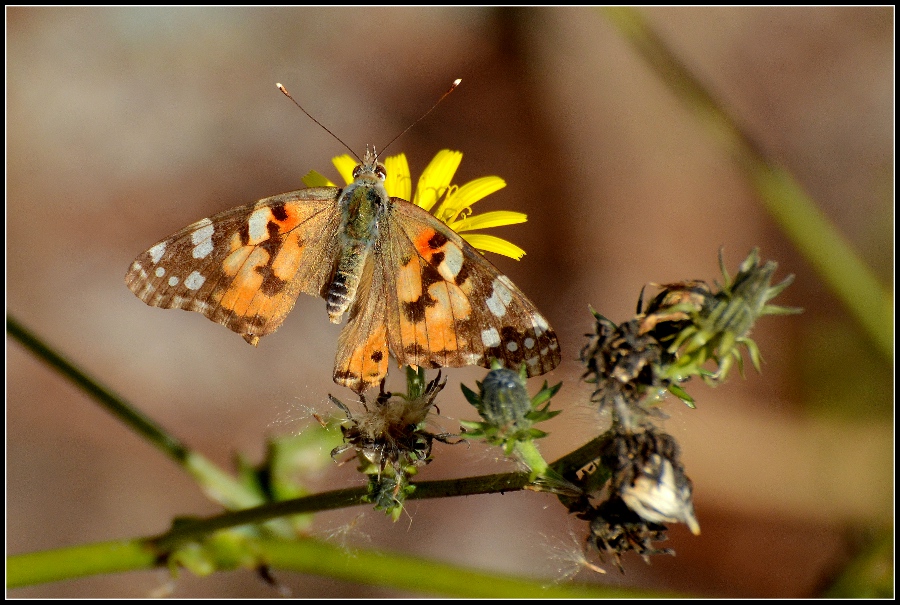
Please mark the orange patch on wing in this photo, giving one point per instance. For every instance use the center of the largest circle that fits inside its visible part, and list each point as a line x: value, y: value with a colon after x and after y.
x: 409, y: 281
x: 413, y: 333
x: 440, y: 319
x: 291, y: 221
x: 235, y: 242
x: 369, y: 361
x: 237, y: 259
x: 246, y: 284
x: 288, y: 258
x: 422, y: 243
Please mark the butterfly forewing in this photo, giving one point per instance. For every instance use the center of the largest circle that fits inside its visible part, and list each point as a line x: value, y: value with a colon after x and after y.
x: 244, y: 267
x: 448, y: 306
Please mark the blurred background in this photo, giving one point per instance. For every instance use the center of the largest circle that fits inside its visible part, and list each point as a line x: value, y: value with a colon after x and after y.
x: 124, y: 125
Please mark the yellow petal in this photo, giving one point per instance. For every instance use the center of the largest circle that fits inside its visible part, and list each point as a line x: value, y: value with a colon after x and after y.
x: 436, y: 178
x: 314, y: 179
x: 486, y: 220
x: 494, y: 244
x: 468, y: 194
x: 345, y: 165
x: 398, y: 182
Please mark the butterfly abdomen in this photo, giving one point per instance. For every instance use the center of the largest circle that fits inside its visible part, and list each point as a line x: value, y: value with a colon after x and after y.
x: 341, y: 291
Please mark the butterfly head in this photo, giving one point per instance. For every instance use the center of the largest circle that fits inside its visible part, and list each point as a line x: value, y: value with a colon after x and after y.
x: 370, y: 168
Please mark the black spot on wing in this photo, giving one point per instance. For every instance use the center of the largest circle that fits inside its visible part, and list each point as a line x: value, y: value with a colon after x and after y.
x: 437, y: 240
x: 430, y: 275
x: 415, y: 310
x: 345, y: 376
x: 271, y: 284
x: 463, y: 274
x: 279, y: 211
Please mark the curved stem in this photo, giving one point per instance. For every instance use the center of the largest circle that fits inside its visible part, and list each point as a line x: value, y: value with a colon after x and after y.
x: 216, y: 483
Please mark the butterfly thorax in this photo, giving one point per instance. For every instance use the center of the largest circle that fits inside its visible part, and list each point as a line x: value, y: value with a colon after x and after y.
x: 362, y: 204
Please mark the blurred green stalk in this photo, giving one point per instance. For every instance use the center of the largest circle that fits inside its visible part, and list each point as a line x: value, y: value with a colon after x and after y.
x: 828, y: 251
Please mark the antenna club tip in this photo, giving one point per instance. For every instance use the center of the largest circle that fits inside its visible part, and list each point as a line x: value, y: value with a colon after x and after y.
x: 456, y: 82
x: 278, y: 85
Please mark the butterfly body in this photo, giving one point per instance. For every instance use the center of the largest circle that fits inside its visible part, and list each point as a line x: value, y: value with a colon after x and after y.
x: 362, y: 205
x: 411, y: 285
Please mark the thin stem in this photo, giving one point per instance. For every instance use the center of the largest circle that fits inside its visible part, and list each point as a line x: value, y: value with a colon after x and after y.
x: 503, y: 482
x: 218, y: 484
x: 111, y: 401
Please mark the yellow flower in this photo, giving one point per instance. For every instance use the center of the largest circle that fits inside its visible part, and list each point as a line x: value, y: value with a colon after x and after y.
x: 450, y: 203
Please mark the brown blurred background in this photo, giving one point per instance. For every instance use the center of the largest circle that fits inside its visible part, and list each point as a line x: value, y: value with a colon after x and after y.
x: 124, y: 125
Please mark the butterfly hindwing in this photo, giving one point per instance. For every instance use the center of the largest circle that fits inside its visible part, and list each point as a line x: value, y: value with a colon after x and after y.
x: 362, y: 352
x: 244, y: 267
x: 448, y: 306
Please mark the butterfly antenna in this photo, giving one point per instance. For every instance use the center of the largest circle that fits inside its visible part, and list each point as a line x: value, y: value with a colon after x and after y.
x: 288, y: 95
x: 424, y: 115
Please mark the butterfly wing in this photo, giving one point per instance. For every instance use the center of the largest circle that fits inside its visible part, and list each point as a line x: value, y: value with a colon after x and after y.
x: 362, y: 353
x: 244, y: 267
x: 448, y: 306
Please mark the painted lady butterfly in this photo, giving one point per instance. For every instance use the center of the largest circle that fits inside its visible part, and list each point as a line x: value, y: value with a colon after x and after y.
x: 411, y: 285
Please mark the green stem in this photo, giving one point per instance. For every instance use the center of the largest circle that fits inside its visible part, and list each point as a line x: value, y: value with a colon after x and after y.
x: 216, y: 483
x: 486, y: 484
x: 826, y: 248
x: 530, y: 455
x: 421, y: 576
x: 78, y: 562
x: 307, y: 556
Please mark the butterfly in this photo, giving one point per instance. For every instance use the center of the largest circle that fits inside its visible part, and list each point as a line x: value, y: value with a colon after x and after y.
x: 413, y: 288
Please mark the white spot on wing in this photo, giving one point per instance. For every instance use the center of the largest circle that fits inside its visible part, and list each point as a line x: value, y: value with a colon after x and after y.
x: 512, y: 346
x: 452, y: 263
x: 529, y: 343
x: 160, y: 272
x: 202, y: 238
x: 258, y: 225
x: 139, y: 269
x: 499, y: 298
x: 173, y: 281
x: 540, y: 324
x: 157, y: 251
x: 194, y: 281
x: 490, y: 337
